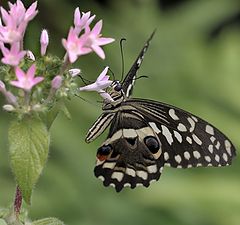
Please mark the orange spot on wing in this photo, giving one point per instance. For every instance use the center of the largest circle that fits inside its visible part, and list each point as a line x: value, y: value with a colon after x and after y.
x: 102, y: 157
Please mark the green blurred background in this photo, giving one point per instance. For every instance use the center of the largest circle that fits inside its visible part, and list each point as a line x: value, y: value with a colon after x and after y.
x: 193, y: 63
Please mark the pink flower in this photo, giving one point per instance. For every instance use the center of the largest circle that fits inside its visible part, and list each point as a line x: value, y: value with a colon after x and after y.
x: 74, y: 46
x: 44, y: 40
x: 26, y: 80
x: 16, y: 20
x: 13, y: 56
x: 92, y: 39
x: 81, y: 22
x: 102, y: 82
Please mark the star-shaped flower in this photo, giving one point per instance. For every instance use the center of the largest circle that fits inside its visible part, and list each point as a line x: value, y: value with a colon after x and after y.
x: 13, y: 56
x: 26, y: 80
x: 99, y: 85
x: 92, y: 39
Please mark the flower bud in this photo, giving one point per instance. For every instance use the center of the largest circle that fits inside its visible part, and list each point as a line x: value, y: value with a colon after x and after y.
x: 74, y: 72
x: 44, y: 40
x: 56, y: 82
x: 30, y: 55
x: 9, y: 108
x: 11, y: 98
x: 2, y: 86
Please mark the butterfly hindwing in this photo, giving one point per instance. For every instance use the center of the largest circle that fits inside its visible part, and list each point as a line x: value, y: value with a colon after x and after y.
x: 187, y: 140
x: 129, y: 158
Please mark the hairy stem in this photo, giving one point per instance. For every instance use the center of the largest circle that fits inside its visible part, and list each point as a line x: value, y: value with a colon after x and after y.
x: 17, y: 201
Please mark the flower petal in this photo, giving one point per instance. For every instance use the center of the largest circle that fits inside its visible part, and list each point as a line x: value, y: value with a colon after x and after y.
x: 103, y: 74
x: 97, y: 28
x: 31, y: 71
x: 98, y: 50
x: 104, y: 41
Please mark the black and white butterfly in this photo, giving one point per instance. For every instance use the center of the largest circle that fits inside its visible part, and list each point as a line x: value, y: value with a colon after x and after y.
x: 146, y: 135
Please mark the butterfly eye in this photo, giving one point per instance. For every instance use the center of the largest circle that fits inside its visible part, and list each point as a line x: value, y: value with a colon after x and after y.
x: 152, y: 144
x: 118, y: 87
x: 103, y: 152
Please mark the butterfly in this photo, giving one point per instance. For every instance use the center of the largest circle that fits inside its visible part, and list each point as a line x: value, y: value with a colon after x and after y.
x: 146, y: 135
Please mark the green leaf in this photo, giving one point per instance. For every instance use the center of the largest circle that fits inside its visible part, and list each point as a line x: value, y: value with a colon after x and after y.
x: 48, y: 221
x: 66, y: 112
x: 29, y: 146
x: 2, y: 222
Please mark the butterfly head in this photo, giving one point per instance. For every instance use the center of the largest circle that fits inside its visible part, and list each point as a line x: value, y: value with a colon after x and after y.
x: 116, y: 92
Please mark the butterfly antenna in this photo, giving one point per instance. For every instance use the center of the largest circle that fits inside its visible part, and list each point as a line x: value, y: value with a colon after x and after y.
x: 112, y: 73
x: 84, y: 80
x: 122, y: 56
x: 136, y: 78
x: 85, y: 100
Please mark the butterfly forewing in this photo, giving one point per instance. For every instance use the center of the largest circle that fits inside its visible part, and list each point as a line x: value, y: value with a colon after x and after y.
x: 187, y: 140
x: 129, y: 80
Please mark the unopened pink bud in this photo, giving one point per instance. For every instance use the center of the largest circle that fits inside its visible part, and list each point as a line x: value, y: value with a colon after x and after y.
x: 44, y: 40
x: 57, y: 82
x: 2, y: 86
x: 11, y: 98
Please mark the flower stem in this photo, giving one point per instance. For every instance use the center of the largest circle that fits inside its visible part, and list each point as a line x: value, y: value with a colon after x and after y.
x: 17, y: 201
x: 65, y: 65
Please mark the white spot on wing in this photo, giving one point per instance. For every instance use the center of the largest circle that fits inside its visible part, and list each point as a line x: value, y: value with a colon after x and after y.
x: 196, y: 154
x: 167, y: 134
x: 112, y: 185
x: 130, y: 172
x: 209, y: 129
x: 127, y: 185
x: 178, y: 158
x: 196, y: 139
x: 129, y: 133
x: 181, y: 127
x: 217, y: 158
x: 109, y: 165
x: 101, y: 178
x: 189, y: 140
x: 228, y: 147
x: 186, y: 155
x: 210, y: 148
x: 195, y: 119
x: 152, y: 169
x: 117, y: 175
x: 172, y: 113
x: 212, y: 139
x: 178, y: 136
x: 166, y: 156
x: 142, y: 174
x: 217, y: 145
x: 225, y: 157
x: 154, y: 127
x: 192, y: 123
x: 207, y: 158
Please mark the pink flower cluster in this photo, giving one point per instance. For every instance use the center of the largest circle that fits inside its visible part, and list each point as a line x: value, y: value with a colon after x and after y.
x: 82, y: 40
x: 13, y: 24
